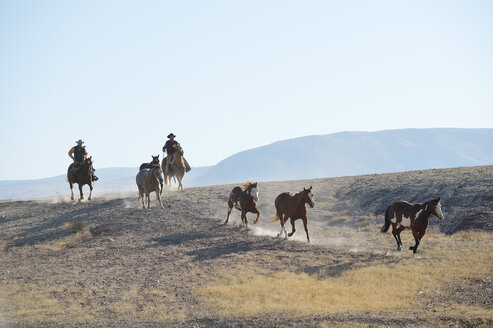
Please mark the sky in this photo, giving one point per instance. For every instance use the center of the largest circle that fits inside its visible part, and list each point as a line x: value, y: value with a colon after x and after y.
x: 227, y: 76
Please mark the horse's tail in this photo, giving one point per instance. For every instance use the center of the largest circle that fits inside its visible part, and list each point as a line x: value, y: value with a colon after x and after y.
x: 386, y: 225
x: 276, y: 218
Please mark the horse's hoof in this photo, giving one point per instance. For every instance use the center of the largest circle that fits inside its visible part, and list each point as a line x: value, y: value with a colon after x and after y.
x: 89, y: 198
x: 411, y: 248
x: 162, y: 208
x: 72, y: 198
x: 308, y: 241
x: 399, y: 248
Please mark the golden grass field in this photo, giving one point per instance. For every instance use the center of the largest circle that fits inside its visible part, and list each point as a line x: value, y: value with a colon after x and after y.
x: 108, y: 263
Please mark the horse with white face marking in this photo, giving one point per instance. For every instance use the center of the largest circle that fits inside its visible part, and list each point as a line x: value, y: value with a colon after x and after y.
x: 403, y: 215
x: 244, y: 200
x: 293, y: 207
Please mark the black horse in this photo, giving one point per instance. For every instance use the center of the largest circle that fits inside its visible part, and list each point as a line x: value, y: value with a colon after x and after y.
x: 155, y: 160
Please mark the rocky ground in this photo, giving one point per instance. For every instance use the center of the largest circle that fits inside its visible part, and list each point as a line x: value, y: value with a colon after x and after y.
x: 109, y: 263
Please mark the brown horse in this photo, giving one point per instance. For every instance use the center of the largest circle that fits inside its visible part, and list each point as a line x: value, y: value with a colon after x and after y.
x: 155, y: 160
x: 244, y: 200
x: 149, y: 180
x: 178, y: 168
x: 293, y: 207
x: 82, y: 176
x: 403, y: 215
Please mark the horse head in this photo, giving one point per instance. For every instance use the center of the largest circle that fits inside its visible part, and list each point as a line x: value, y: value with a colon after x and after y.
x: 155, y: 160
x: 308, y: 196
x: 435, y: 208
x: 253, y: 191
x: 87, y: 162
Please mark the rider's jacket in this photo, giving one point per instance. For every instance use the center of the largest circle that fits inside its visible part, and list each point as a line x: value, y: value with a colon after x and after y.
x: 79, y: 153
x: 168, y: 146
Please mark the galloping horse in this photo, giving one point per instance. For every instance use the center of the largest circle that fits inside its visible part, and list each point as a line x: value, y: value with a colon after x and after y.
x: 293, y: 207
x: 81, y: 177
x: 149, y: 180
x: 403, y: 215
x: 178, y: 168
x: 155, y: 160
x: 244, y: 200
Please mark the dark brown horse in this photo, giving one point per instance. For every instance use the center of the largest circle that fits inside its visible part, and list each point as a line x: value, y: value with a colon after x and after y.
x: 403, y: 215
x: 244, y: 200
x: 155, y: 160
x: 83, y: 175
x: 293, y: 207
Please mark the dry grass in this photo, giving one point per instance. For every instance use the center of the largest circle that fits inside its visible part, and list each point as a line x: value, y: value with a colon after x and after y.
x: 135, y: 303
x: 381, y: 287
x: 33, y: 303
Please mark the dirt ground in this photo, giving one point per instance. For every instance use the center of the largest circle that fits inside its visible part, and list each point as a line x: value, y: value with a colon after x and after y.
x: 109, y: 263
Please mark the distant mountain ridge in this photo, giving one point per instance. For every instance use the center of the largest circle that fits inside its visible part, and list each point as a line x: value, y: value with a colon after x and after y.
x: 318, y: 156
x: 352, y: 153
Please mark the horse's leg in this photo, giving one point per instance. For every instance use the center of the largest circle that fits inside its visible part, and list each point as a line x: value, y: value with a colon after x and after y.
x: 394, y: 232
x: 230, y: 208
x: 293, y: 228
x: 417, y: 238
x: 148, y: 195
x: 258, y: 215
x: 244, y: 218
x: 284, y: 226
x: 159, y: 199
x: 80, y: 190
x: 280, y: 216
x: 71, y: 190
x: 305, y: 224
x: 141, y: 196
x: 90, y: 191
x: 180, y: 186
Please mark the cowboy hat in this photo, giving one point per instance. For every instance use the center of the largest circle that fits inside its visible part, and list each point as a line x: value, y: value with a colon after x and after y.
x: 79, y: 141
x: 171, y: 135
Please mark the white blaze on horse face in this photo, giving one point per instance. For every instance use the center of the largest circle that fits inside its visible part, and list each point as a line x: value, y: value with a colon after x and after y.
x: 254, y: 193
x: 439, y: 211
x: 310, y: 195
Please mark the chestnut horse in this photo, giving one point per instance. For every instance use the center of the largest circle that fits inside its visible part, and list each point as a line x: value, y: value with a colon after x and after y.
x: 155, y: 160
x: 82, y: 176
x: 293, y: 207
x: 403, y: 215
x: 244, y: 200
x: 149, y: 180
x: 178, y: 168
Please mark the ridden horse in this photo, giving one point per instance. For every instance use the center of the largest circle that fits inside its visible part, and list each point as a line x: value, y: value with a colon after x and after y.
x: 244, y: 200
x: 178, y: 168
x: 149, y: 180
x: 403, y: 215
x: 82, y: 176
x: 293, y: 207
x: 155, y: 160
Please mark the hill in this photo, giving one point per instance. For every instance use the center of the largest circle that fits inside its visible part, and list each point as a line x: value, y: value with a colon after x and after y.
x: 110, y: 263
x: 353, y: 153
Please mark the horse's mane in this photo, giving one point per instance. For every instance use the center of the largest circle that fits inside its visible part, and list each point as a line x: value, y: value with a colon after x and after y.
x: 249, y: 184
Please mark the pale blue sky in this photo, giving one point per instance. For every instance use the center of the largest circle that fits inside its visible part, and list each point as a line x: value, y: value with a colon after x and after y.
x: 226, y: 76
